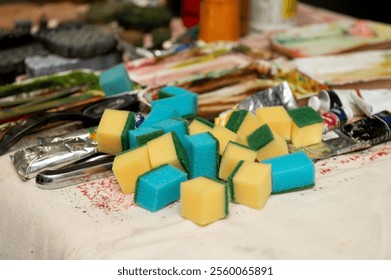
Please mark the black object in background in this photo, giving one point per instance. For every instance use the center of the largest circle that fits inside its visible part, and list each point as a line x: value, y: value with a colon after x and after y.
x: 376, y: 10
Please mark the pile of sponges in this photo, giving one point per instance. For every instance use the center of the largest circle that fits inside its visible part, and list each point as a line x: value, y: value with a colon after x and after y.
x: 175, y: 155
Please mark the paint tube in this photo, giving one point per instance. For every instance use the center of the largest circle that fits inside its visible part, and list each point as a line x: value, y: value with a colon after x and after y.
x: 336, y: 117
x: 355, y: 136
x: 326, y: 100
x: 370, y: 130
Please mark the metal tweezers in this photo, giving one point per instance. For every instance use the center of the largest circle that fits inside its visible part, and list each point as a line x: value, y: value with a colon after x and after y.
x: 92, y: 168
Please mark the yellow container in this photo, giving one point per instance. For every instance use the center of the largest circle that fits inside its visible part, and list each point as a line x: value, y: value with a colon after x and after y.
x: 219, y: 20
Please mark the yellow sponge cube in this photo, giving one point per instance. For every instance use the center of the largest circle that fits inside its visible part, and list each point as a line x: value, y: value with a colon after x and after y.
x: 243, y: 123
x: 224, y: 135
x: 200, y: 125
x: 112, y: 131
x: 168, y: 149
x: 250, y: 184
x: 203, y: 200
x: 234, y: 153
x: 277, y: 118
x: 129, y: 165
x: 307, y: 126
x: 267, y: 143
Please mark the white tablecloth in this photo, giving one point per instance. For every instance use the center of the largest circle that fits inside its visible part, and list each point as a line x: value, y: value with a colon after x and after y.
x: 347, y: 215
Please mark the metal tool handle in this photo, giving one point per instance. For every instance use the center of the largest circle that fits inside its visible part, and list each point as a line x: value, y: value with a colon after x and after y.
x: 82, y: 172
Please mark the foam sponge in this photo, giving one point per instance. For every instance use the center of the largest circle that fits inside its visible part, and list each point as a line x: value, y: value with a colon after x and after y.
x: 170, y: 91
x: 267, y: 143
x: 168, y: 149
x: 200, y: 125
x: 159, y: 187
x: 291, y: 172
x: 234, y: 153
x: 159, y: 113
x: 278, y: 120
x: 224, y: 135
x: 184, y: 103
x: 243, y: 123
x: 250, y: 184
x: 140, y: 136
x: 307, y: 126
x: 129, y: 165
x: 177, y: 125
x: 115, y: 80
x: 112, y: 132
x: 203, y: 153
x: 204, y: 200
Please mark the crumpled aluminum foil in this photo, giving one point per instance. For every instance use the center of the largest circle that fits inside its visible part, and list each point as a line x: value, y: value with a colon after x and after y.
x: 30, y: 161
x: 280, y: 95
x: 82, y: 133
x: 274, y: 96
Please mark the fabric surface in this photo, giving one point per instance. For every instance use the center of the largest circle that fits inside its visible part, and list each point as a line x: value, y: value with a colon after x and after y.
x: 347, y: 215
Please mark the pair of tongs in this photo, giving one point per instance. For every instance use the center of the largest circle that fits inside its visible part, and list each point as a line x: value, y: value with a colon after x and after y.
x: 92, y: 168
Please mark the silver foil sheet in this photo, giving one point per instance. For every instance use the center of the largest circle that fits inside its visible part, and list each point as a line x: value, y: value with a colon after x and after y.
x: 30, y: 161
x: 280, y: 95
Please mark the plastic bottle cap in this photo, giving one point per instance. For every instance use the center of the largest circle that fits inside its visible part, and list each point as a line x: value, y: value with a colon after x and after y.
x: 314, y: 103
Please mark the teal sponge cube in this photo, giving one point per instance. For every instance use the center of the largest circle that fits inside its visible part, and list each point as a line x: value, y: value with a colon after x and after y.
x: 291, y: 172
x: 159, y: 113
x: 185, y: 104
x: 169, y: 91
x: 159, y: 187
x: 140, y: 136
x: 177, y: 125
x: 115, y: 80
x: 203, y: 153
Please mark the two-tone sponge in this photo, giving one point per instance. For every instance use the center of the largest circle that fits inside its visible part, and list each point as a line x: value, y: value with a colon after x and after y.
x: 184, y: 101
x: 159, y: 187
x: 277, y: 118
x: 267, y: 143
x: 307, y: 126
x: 203, y: 154
x: 129, y: 165
x: 141, y: 136
x: 243, y: 123
x: 292, y: 171
x: 204, y: 200
x: 200, y: 125
x: 168, y: 149
x: 112, y: 131
x: 250, y: 184
x: 159, y: 113
x: 233, y: 154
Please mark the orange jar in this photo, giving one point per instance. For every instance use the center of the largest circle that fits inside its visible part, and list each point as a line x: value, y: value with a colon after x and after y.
x: 219, y: 20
